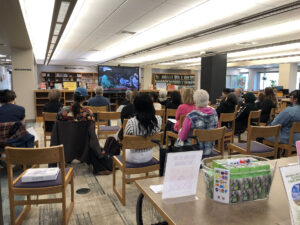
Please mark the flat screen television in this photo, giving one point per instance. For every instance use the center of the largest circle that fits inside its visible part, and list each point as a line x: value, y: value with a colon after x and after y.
x: 118, y: 78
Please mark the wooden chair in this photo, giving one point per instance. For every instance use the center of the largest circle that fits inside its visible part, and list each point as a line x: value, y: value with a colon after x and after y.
x: 105, y: 131
x: 48, y: 117
x: 229, y: 132
x: 253, y: 119
x: 171, y: 134
x: 289, y: 148
x: 161, y: 113
x: 217, y: 134
x: 134, y: 142
x: 30, y: 156
x: 170, y: 113
x: 96, y: 110
x: 252, y: 147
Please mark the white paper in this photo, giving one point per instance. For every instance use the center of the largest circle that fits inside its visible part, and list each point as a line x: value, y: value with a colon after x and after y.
x: 291, y: 180
x: 157, y: 188
x: 32, y: 131
x: 40, y: 174
x: 221, y: 185
x: 172, y: 120
x: 181, y: 174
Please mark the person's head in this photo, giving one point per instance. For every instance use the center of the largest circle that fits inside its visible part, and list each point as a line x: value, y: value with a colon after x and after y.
x: 176, y: 97
x: 80, y: 96
x: 133, y: 96
x: 187, y: 96
x: 128, y: 95
x: 232, y: 98
x: 145, y: 113
x: 295, y: 97
x: 54, y: 95
x: 225, y: 92
x: 7, y: 96
x: 238, y: 92
x: 261, y: 97
x: 163, y: 95
x: 249, y: 98
x: 99, y: 91
x: 201, y: 98
x: 154, y: 96
x: 269, y: 94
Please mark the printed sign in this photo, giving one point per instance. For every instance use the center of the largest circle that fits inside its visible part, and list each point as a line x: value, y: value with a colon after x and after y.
x: 71, y: 86
x: 221, y: 185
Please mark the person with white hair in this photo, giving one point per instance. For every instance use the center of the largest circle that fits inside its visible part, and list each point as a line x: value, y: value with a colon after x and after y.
x: 163, y: 96
x: 99, y: 99
x: 203, y: 117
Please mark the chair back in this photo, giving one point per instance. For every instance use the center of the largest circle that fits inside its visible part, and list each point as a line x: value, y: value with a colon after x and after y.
x: 124, y: 124
x: 48, y: 117
x: 160, y: 112
x: 109, y: 115
x: 182, y: 117
x: 96, y: 109
x: 254, y: 115
x: 236, y: 108
x: 211, y: 135
x: 226, y: 117
x: 294, y: 129
x: 171, y: 113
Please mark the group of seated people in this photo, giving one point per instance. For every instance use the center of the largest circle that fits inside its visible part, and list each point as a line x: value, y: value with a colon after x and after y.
x: 139, y: 108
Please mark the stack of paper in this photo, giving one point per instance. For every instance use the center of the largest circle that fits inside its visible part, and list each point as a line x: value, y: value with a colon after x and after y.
x: 40, y: 174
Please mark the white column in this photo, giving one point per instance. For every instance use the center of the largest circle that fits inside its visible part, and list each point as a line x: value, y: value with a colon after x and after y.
x: 251, y: 78
x: 288, y: 76
x: 24, y: 80
x: 147, y: 77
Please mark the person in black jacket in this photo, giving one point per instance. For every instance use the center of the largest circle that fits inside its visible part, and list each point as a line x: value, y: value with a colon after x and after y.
x: 241, y: 121
x: 267, y: 104
x: 53, y: 106
x: 228, y: 104
x: 175, y: 100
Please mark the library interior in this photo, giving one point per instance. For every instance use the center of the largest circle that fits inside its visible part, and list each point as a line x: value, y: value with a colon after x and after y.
x: 149, y: 112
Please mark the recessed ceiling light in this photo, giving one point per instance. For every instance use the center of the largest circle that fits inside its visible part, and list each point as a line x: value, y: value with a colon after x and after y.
x: 2, y: 55
x: 246, y: 43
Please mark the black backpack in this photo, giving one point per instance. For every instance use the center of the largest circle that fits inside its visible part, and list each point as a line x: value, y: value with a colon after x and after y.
x: 112, y: 147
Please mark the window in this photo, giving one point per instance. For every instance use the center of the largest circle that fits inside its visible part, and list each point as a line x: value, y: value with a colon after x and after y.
x: 268, y: 80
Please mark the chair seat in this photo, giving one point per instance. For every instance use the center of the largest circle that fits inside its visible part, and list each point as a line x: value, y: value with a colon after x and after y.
x: 109, y: 128
x: 255, y: 147
x: 41, y: 184
x: 152, y: 162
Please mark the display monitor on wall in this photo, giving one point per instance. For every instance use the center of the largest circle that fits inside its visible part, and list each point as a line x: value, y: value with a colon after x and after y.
x: 118, y: 78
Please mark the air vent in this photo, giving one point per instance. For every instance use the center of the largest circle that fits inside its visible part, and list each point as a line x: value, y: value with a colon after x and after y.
x: 127, y: 32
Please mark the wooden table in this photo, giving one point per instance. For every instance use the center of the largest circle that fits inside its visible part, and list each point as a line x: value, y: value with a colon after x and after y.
x: 205, y: 211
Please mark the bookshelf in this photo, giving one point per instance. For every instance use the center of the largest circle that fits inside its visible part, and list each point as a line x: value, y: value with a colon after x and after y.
x: 179, y: 80
x: 51, y: 79
x: 41, y: 98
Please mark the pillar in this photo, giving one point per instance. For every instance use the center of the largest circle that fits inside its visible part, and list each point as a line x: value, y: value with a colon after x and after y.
x: 24, y: 80
x: 213, y: 75
x: 147, y: 77
x: 288, y: 76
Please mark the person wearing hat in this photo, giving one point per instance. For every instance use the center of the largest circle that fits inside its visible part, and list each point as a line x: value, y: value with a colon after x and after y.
x: 76, y: 112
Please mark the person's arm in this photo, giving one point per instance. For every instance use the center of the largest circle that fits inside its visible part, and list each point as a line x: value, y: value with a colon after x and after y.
x: 185, y: 130
x: 283, y: 118
x: 178, y: 113
x: 22, y: 114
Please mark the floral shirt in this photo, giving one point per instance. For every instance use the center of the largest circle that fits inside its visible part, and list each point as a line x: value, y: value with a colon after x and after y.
x: 66, y: 114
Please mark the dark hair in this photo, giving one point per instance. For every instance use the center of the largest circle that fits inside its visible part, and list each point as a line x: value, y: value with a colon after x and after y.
x: 249, y: 97
x: 232, y: 98
x: 296, y: 95
x: 76, y: 105
x: 154, y: 96
x: 176, y: 97
x: 145, y: 113
x: 226, y: 91
x: 7, y: 96
x: 261, y: 97
x: 270, y: 95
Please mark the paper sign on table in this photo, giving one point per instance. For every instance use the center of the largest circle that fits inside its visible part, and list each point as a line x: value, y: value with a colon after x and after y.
x: 298, y: 150
x: 221, y: 185
x: 291, y: 180
x: 181, y: 174
x: 157, y: 188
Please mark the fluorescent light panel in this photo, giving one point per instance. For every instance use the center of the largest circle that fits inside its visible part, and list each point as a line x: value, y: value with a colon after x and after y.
x: 266, y: 56
x: 57, y: 29
x: 2, y: 55
x: 37, y: 16
x: 63, y: 9
x: 204, y: 14
x: 255, y: 34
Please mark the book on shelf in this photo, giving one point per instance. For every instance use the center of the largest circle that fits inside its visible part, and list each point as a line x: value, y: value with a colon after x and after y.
x: 40, y: 174
x: 43, y: 86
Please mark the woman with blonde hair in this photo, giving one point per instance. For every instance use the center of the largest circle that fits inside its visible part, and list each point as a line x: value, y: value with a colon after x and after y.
x: 186, y: 107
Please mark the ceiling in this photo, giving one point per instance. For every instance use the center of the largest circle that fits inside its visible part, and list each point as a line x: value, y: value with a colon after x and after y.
x: 13, y: 32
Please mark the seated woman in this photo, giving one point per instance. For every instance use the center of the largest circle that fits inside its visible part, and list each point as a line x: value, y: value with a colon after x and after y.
x: 175, y: 100
x: 204, y: 117
x: 156, y: 104
x: 228, y: 105
x: 9, y: 111
x: 286, y: 118
x: 144, y: 123
x: 186, y: 107
x: 77, y: 113
x: 267, y: 104
x: 241, y: 121
x: 53, y: 106
x: 163, y: 97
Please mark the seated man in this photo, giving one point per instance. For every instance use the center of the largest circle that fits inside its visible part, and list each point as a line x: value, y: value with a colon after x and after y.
x: 99, y: 99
